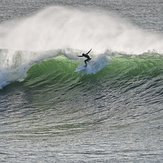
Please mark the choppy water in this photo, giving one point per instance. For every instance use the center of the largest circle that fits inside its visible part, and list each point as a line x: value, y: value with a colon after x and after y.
x: 110, y: 112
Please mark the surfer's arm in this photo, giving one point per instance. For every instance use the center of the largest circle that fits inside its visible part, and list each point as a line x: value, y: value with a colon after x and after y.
x: 88, y: 51
x: 84, y: 55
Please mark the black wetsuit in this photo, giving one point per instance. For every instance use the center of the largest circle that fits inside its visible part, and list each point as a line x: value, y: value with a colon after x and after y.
x: 87, y: 56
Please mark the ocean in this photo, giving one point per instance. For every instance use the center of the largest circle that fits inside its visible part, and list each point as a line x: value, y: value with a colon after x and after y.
x: 112, y: 111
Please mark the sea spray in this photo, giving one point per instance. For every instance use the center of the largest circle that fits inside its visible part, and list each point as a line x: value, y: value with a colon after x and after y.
x: 63, y: 27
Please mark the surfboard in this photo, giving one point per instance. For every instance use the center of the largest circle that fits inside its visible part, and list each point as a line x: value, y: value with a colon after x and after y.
x: 80, y: 69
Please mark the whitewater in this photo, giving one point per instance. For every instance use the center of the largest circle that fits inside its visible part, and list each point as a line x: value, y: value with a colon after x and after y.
x: 112, y: 111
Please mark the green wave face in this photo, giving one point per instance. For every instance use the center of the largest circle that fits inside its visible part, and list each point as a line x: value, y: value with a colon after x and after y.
x: 56, y: 78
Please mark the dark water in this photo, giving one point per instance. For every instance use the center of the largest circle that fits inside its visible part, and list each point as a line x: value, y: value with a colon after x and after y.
x: 110, y: 112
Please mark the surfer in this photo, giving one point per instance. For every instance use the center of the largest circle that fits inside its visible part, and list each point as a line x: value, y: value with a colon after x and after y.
x: 87, y: 56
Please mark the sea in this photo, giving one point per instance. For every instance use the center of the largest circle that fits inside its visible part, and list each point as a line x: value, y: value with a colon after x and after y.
x: 111, y: 111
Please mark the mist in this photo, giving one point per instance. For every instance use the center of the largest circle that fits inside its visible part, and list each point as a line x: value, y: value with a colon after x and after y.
x: 62, y: 27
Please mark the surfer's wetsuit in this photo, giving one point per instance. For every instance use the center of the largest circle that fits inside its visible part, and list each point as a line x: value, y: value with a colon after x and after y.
x: 87, y: 56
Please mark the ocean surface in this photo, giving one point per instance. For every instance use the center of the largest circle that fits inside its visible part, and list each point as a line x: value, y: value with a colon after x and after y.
x: 112, y: 111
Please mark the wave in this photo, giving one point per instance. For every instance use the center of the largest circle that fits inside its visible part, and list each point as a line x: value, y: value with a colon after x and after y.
x: 21, y: 64
x: 62, y: 30
x: 16, y: 65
